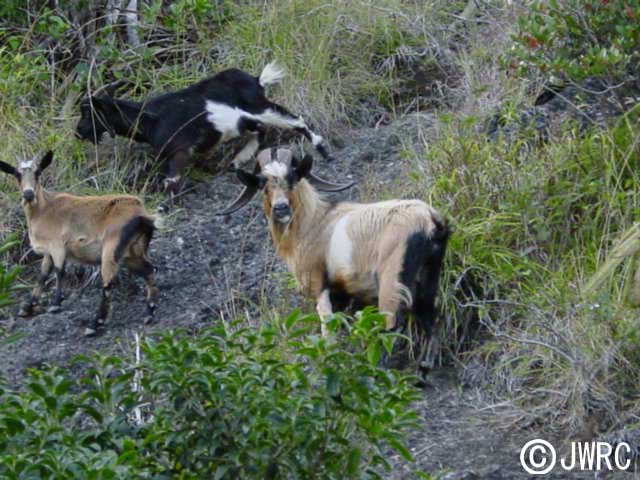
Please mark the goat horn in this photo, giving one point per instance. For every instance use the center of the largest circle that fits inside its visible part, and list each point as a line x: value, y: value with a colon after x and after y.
x: 326, y: 186
x: 245, y: 196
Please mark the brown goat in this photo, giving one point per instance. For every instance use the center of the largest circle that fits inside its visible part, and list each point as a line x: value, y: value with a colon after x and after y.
x: 390, y: 252
x: 107, y: 230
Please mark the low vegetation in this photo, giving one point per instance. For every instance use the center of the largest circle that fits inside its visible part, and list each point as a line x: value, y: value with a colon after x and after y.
x: 233, y: 402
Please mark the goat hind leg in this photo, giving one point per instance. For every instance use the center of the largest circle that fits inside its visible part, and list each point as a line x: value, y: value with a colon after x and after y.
x: 391, y: 295
x: 324, y: 309
x: 108, y: 270
x: 145, y: 269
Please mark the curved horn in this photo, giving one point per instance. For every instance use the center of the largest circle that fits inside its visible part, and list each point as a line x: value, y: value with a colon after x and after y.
x: 245, y: 196
x: 326, y: 186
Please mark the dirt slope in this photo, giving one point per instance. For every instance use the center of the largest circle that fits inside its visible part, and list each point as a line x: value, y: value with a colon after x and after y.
x: 210, y: 266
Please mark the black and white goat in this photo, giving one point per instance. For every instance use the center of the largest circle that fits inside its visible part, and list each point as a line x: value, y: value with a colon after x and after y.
x: 389, y: 253
x: 194, y: 120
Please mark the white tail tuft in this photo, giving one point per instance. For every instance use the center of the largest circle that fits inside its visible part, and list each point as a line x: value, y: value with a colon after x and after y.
x: 271, y: 74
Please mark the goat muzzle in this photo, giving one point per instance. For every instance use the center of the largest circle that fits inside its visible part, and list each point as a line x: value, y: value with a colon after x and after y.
x: 281, y: 212
x: 28, y: 195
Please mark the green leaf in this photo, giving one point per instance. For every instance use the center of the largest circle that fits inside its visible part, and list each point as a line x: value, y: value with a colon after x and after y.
x: 374, y: 353
x: 333, y: 383
x: 353, y: 463
x: 399, y: 447
x: 92, y: 412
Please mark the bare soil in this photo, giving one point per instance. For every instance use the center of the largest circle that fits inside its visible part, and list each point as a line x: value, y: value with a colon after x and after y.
x: 210, y: 267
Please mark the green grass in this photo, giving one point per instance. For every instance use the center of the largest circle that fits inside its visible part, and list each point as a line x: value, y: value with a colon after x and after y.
x: 533, y: 225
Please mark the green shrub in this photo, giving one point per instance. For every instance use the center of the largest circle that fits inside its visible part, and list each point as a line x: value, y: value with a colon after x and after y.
x: 576, y: 39
x: 273, y: 402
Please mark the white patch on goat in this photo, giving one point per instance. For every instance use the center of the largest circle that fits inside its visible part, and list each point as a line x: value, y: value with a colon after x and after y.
x: 224, y: 118
x: 340, y: 249
x: 26, y: 164
x: 275, y: 169
x: 275, y: 119
x: 271, y: 74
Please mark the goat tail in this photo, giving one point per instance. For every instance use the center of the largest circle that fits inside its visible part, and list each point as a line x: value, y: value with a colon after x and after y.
x: 271, y: 74
x: 139, y: 226
x: 423, y: 261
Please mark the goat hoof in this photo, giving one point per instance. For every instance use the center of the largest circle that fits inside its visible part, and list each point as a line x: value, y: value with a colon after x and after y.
x: 26, y: 310
x: 54, y: 309
x: 421, y: 372
x: 93, y: 330
x: 422, y: 383
x: 163, y: 209
x: 90, y: 332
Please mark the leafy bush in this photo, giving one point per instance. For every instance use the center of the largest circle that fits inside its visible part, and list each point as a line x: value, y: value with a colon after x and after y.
x: 230, y: 403
x: 576, y: 39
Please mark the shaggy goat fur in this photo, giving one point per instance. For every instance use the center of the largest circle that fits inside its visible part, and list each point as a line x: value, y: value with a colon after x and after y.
x: 386, y: 252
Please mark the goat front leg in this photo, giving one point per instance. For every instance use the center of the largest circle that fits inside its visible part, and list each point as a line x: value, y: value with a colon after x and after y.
x: 278, y: 116
x: 26, y: 309
x: 177, y: 162
x: 247, y: 152
x: 257, y: 132
x: 58, y: 295
x: 324, y: 309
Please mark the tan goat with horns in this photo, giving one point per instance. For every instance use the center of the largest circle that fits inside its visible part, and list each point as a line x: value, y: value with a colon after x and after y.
x: 95, y: 230
x: 388, y: 251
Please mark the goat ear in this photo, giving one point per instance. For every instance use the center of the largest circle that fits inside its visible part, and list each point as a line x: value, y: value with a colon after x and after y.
x: 45, y: 162
x: 8, y: 169
x: 303, y: 167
